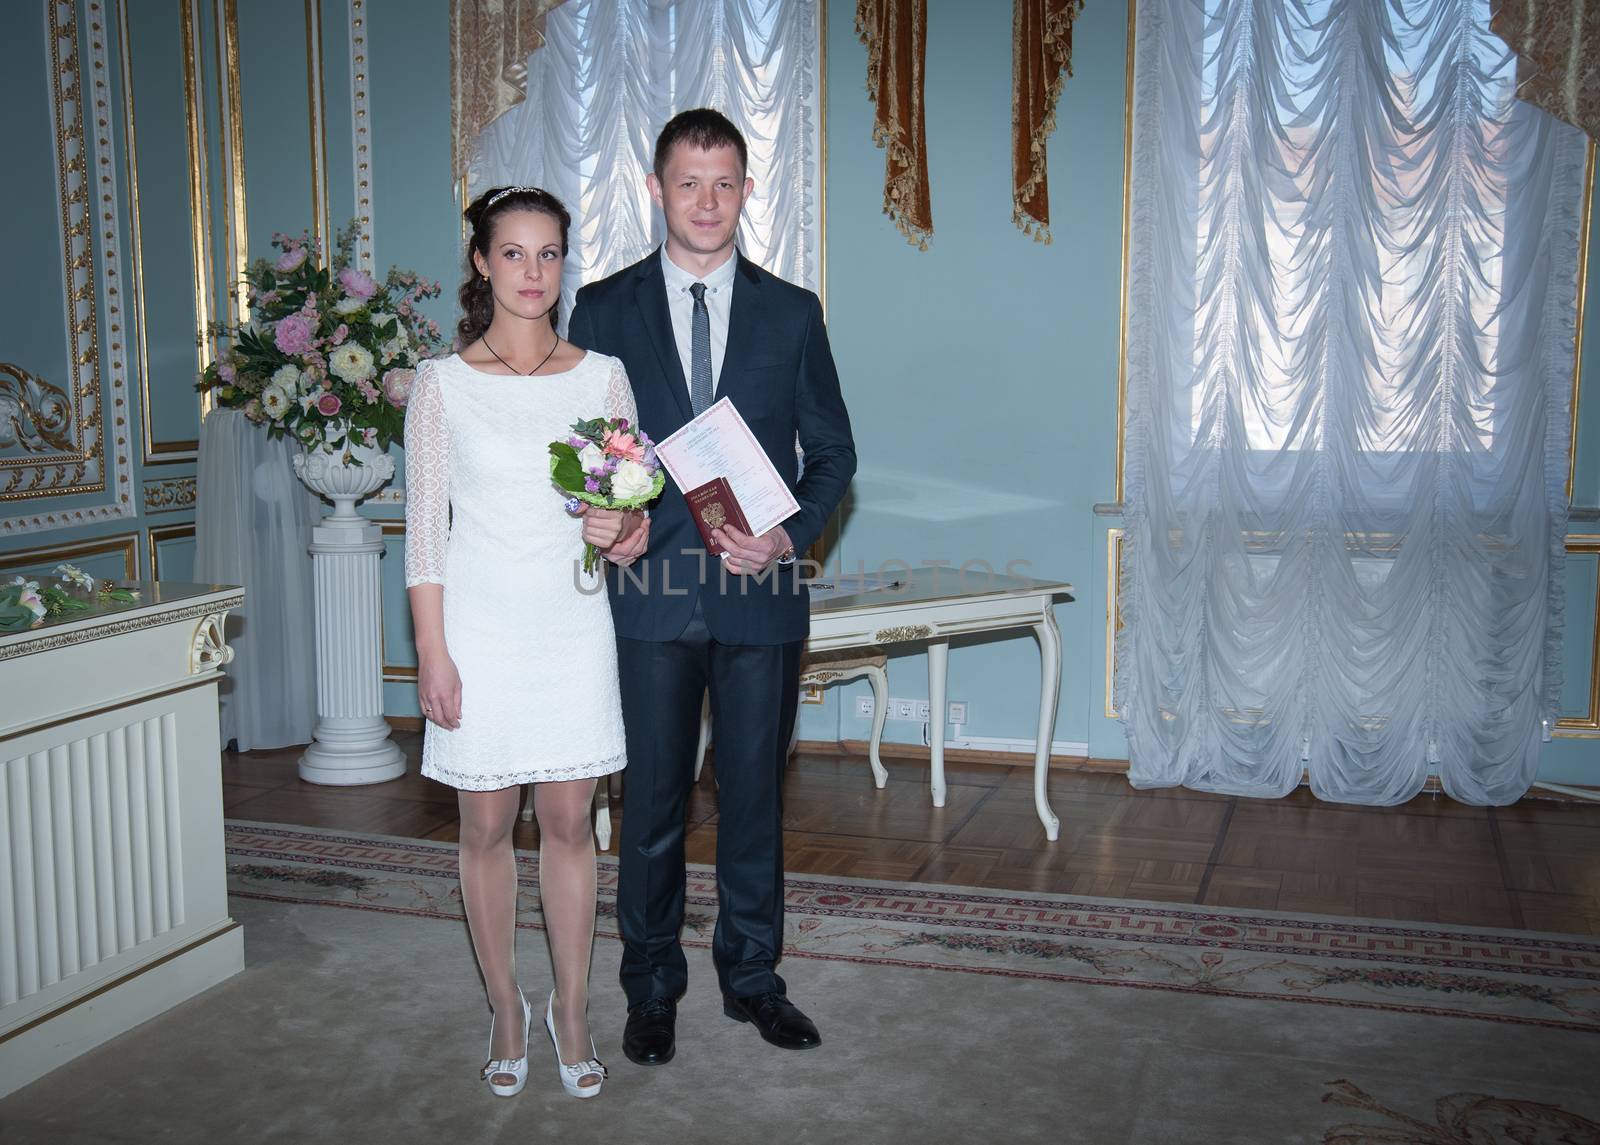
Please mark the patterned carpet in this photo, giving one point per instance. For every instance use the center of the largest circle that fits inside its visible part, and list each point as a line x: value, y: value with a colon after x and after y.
x: 1483, y: 974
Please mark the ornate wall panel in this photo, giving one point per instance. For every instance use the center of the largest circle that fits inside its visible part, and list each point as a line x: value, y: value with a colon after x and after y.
x: 64, y: 430
x: 116, y: 556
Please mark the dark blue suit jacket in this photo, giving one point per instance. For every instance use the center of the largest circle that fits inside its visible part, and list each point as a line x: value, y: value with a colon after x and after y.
x: 778, y: 372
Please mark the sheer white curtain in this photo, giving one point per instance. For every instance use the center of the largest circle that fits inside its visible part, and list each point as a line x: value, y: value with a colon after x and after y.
x: 612, y: 72
x: 1352, y: 288
x: 253, y: 522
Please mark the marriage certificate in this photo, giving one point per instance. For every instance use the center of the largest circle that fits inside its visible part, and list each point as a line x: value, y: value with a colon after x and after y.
x: 718, y: 443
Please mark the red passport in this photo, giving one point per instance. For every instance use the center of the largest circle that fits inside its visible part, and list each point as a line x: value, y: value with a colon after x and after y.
x: 713, y: 506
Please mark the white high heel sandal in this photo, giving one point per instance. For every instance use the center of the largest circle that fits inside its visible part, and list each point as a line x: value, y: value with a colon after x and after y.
x: 571, y: 1075
x: 516, y: 1067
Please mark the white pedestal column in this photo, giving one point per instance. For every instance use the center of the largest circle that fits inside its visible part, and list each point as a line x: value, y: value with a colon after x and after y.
x: 352, y: 738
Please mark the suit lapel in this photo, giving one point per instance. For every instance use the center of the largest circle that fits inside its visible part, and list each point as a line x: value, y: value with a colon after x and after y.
x: 744, y: 321
x: 650, y: 295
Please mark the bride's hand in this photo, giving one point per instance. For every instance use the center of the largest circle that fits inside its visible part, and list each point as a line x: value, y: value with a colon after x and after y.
x: 439, y: 690
x: 603, y: 528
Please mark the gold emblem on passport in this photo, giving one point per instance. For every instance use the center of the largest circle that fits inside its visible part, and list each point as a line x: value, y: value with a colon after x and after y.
x: 714, y: 515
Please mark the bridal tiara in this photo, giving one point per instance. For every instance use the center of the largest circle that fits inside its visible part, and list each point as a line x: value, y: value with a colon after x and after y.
x: 500, y: 194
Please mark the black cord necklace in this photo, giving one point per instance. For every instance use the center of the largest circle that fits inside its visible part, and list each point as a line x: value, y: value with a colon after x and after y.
x: 512, y: 368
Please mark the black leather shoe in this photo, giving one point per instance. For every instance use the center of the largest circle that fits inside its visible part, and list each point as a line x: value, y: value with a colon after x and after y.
x: 649, y: 1038
x: 778, y: 1019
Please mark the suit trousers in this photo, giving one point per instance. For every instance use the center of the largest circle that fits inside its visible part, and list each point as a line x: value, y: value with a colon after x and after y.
x: 754, y: 691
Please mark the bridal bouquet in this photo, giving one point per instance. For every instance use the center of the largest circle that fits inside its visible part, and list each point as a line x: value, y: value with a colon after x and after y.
x: 609, y: 464
x: 330, y: 353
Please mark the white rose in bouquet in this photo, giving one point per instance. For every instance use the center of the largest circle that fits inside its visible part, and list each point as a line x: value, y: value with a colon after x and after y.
x: 631, y: 480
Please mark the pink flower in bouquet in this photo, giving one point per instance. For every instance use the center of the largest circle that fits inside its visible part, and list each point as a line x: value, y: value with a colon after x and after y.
x: 294, y: 334
x: 340, y: 333
x: 226, y: 372
x: 329, y: 404
x: 397, y: 386
x: 290, y: 259
x: 367, y: 390
x: 252, y: 410
x: 357, y: 283
x: 619, y: 443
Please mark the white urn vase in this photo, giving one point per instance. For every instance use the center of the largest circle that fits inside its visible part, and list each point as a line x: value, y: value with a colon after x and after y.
x: 352, y: 744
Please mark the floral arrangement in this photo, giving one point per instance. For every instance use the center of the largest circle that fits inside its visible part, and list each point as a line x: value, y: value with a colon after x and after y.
x: 329, y: 355
x: 24, y: 604
x: 609, y: 464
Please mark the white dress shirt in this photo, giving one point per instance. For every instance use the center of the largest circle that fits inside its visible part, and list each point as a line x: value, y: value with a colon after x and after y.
x: 680, y: 303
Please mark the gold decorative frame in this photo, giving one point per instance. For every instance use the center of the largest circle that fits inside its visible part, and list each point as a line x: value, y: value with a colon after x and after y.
x: 124, y: 544
x: 154, y: 452
x: 1589, y: 723
x: 394, y: 673
x: 157, y: 536
x: 97, y: 427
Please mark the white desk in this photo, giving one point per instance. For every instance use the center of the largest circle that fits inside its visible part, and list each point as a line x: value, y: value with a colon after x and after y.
x: 929, y: 606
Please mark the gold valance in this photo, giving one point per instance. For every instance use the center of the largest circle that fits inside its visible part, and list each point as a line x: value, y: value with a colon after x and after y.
x: 490, y: 41
x: 1557, y: 43
x: 1041, y: 61
x: 895, y: 33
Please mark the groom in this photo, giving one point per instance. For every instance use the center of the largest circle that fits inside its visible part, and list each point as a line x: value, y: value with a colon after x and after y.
x: 693, y: 322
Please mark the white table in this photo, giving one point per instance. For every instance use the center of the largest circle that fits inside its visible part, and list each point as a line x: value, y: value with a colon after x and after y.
x: 929, y: 606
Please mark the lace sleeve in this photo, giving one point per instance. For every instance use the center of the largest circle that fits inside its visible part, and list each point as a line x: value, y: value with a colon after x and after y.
x: 427, y: 479
x: 619, y: 395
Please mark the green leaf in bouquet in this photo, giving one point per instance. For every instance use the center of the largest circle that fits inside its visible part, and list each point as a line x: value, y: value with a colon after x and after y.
x: 565, y: 469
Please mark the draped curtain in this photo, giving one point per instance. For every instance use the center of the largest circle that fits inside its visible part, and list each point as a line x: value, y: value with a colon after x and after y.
x: 253, y: 522
x: 1351, y: 297
x: 895, y: 33
x: 1558, y: 56
x: 490, y: 41
x: 612, y: 72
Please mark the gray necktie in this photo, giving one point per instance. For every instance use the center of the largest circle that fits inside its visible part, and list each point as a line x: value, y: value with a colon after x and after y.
x: 700, y: 352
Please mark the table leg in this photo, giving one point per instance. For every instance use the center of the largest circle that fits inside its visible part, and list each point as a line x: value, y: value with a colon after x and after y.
x: 938, y: 675
x: 1049, y: 690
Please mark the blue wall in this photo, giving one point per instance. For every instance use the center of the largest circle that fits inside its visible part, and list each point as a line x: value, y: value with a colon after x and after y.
x: 981, y: 374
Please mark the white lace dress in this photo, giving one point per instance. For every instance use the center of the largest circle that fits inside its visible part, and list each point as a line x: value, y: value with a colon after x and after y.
x: 530, y: 634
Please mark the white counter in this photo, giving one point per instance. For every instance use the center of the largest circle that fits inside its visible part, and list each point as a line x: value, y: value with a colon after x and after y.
x: 113, y: 899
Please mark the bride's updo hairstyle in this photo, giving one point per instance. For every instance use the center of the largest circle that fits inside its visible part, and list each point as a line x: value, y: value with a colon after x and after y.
x: 477, y: 298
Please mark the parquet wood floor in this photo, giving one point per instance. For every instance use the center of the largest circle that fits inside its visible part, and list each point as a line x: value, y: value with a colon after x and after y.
x: 1535, y: 865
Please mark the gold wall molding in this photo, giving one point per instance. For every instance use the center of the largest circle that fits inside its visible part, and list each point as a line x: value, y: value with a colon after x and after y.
x: 46, y: 557
x: 394, y: 673
x: 170, y: 495
x: 154, y: 452
x: 199, y: 193
x: 159, y: 536
x: 316, y: 106
x: 98, y: 461
x: 1588, y: 723
x: 230, y: 97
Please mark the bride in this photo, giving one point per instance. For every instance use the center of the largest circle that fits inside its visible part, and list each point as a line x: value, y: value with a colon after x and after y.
x: 517, y: 671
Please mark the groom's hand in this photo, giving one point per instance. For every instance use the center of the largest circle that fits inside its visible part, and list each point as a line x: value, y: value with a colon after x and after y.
x: 747, y: 554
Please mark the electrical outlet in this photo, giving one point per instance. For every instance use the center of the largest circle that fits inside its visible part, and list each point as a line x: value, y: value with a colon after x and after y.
x: 922, y: 709
x: 958, y: 711
x: 903, y: 710
x: 864, y: 706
